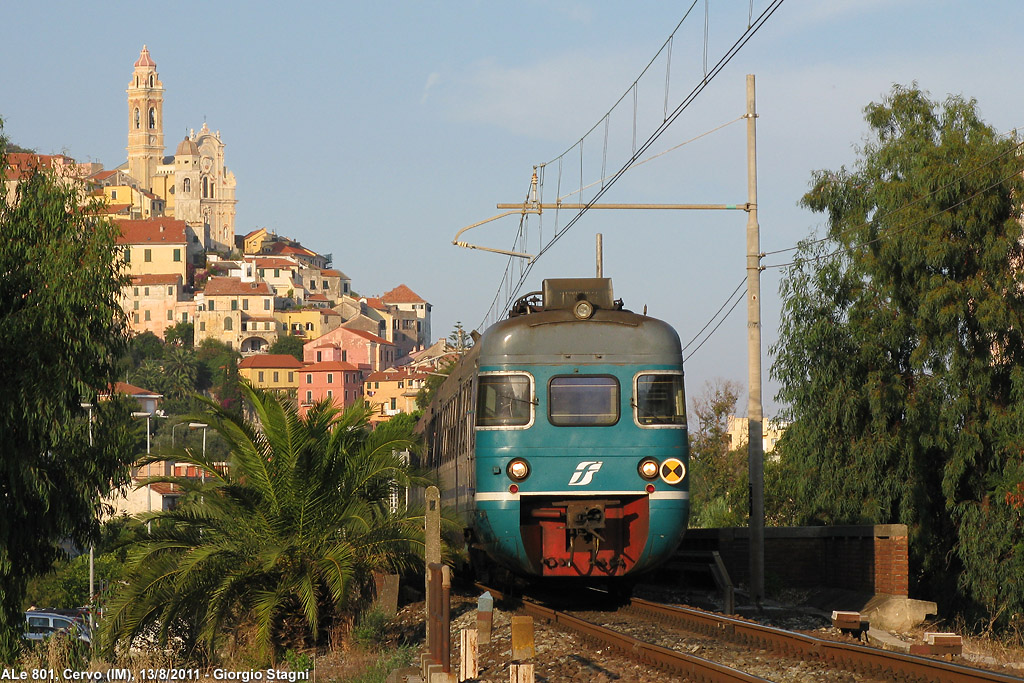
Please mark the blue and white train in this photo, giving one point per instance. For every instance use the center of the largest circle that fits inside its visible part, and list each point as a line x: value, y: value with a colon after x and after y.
x: 560, y: 437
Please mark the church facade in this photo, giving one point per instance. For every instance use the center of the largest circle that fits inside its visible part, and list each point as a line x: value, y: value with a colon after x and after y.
x: 195, y: 183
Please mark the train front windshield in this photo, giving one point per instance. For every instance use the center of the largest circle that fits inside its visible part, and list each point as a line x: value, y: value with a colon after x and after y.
x: 660, y: 400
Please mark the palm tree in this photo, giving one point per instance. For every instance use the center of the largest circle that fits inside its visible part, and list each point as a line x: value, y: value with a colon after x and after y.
x: 286, y: 535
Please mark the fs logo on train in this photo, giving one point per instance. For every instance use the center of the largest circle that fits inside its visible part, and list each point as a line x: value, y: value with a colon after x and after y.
x: 585, y: 472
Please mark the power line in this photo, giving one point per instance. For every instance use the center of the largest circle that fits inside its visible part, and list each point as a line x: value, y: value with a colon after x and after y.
x: 712, y: 319
x: 894, y: 231
x: 710, y: 334
x: 1012, y: 150
x: 709, y: 76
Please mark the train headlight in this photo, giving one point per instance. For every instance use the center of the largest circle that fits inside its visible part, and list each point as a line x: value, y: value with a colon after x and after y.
x: 518, y: 469
x: 648, y: 468
x: 583, y: 309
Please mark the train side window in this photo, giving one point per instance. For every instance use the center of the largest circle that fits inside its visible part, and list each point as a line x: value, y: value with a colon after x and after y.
x: 583, y: 400
x: 504, y: 401
x: 660, y: 400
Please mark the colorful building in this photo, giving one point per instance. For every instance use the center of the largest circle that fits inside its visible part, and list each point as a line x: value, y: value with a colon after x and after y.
x: 274, y: 372
x: 336, y: 381
x: 392, y: 391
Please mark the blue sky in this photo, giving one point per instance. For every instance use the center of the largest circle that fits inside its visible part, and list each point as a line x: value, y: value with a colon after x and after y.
x: 375, y: 131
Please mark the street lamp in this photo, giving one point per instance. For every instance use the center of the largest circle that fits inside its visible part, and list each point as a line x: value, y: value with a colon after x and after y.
x: 92, y: 546
x: 203, y: 426
x: 149, y: 488
x: 202, y: 470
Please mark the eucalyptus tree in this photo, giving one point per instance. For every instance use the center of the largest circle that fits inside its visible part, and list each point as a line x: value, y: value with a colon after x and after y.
x: 285, y: 536
x: 61, y: 328
x: 901, y: 348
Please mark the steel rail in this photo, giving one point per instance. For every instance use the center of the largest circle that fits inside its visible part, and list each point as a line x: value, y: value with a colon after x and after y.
x: 693, y: 668
x: 847, y: 655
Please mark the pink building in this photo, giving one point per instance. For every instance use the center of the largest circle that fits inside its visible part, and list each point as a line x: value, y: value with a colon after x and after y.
x: 363, y: 349
x: 341, y: 383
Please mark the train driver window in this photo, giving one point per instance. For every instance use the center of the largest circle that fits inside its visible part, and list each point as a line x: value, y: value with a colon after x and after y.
x: 583, y: 400
x: 660, y: 400
x: 504, y: 401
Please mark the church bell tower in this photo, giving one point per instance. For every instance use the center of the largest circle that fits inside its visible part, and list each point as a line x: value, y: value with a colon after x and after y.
x: 145, y: 121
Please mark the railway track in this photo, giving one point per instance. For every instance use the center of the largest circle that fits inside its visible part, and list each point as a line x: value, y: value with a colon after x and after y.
x: 866, y: 661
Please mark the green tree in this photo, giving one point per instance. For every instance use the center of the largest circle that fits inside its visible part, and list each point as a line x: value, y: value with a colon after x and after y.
x: 435, y: 379
x: 901, y: 354
x: 287, y: 345
x: 61, y: 328
x: 217, y: 373
x: 284, y: 539
x: 718, y: 467
x: 181, y: 334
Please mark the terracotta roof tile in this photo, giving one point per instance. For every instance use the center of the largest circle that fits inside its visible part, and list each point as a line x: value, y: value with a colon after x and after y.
x: 330, y: 366
x: 270, y: 360
x: 233, y: 286
x: 402, y: 295
x: 152, y: 231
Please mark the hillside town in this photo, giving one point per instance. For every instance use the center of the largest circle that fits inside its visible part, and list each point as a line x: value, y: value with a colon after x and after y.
x: 188, y: 267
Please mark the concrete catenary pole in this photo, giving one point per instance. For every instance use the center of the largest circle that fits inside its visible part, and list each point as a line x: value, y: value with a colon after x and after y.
x: 600, y: 255
x: 755, y: 446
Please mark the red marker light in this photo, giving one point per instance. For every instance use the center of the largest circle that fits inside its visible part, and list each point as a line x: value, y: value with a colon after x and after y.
x: 514, y: 488
x: 650, y: 488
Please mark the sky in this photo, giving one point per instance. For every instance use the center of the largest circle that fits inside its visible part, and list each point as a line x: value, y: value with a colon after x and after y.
x: 375, y: 131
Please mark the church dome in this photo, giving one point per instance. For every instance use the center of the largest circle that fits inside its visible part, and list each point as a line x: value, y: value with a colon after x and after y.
x: 144, y: 58
x: 187, y: 148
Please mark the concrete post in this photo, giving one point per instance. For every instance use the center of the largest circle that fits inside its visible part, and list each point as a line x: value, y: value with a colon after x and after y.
x: 432, y: 548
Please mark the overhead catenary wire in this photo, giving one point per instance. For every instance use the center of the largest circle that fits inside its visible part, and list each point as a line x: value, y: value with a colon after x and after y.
x: 752, y: 28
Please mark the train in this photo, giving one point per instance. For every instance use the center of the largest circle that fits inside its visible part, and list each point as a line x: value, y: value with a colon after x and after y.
x: 560, y: 438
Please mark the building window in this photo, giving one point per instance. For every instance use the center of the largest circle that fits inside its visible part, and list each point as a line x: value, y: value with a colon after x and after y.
x: 260, y: 376
x: 227, y: 324
x: 113, y: 194
x: 394, y: 404
x: 234, y: 304
x: 152, y: 113
x: 170, y: 315
x: 186, y: 185
x: 209, y: 306
x: 202, y: 326
x: 344, y: 356
x: 266, y: 304
x: 147, y: 316
x: 138, y: 118
x: 330, y: 378
x: 319, y: 356
x: 177, y: 254
x: 136, y: 291
x: 309, y: 379
x: 184, y: 317
x: 147, y: 255
x: 135, y: 305
x: 309, y: 397
x: 291, y: 377
x: 135, y: 317
x: 170, y: 291
x: 206, y: 187
x: 245, y: 304
x: 277, y: 272
x: 276, y: 375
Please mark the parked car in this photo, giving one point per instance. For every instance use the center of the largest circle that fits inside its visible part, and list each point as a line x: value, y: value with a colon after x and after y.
x: 39, y: 624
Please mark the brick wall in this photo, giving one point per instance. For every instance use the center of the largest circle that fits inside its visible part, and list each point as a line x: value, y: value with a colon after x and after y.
x: 866, y: 559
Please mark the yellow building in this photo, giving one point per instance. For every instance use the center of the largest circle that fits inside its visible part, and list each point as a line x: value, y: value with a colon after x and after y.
x: 274, y: 372
x: 155, y: 302
x: 309, y: 323
x: 771, y: 432
x: 154, y: 246
x: 237, y: 313
x: 392, y: 391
